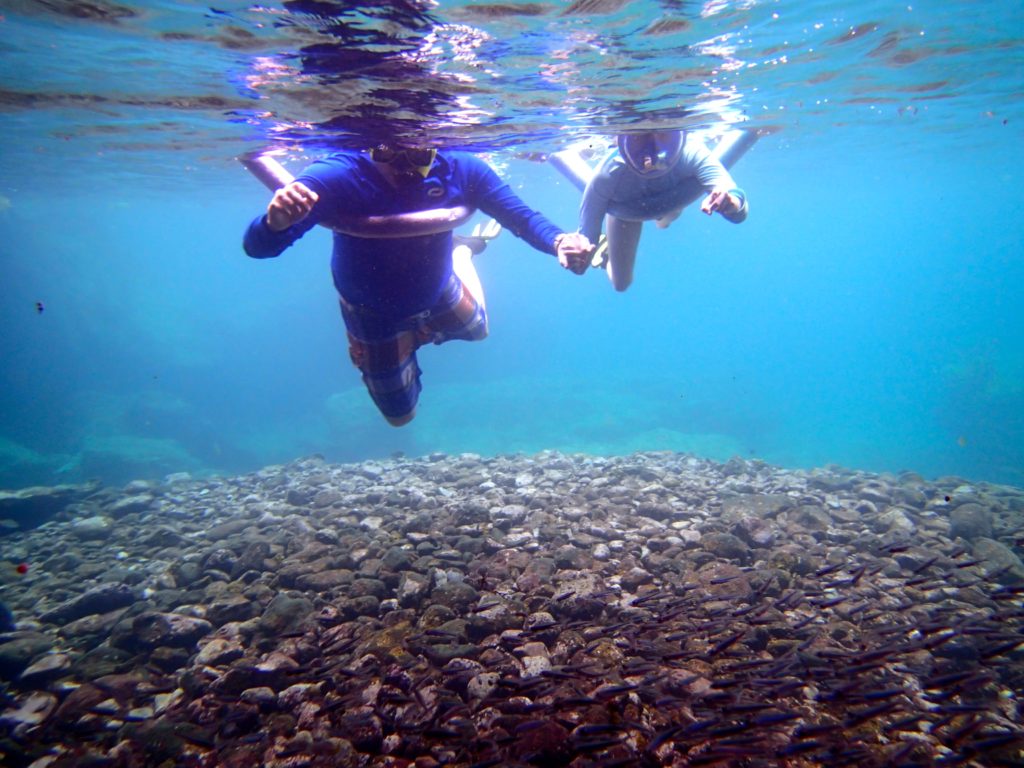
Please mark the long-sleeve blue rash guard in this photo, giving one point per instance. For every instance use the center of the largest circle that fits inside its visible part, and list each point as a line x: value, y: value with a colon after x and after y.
x: 401, y: 276
x: 618, y: 191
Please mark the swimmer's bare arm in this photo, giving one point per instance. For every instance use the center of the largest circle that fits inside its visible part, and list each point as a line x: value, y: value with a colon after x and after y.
x: 290, y: 205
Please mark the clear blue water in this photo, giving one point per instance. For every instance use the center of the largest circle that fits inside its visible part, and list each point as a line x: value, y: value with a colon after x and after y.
x: 867, y: 314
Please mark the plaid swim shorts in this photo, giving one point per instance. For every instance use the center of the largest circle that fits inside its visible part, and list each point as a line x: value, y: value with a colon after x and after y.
x: 384, y: 349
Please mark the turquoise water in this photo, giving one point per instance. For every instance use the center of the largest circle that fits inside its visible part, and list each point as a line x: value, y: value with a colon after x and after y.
x: 867, y: 314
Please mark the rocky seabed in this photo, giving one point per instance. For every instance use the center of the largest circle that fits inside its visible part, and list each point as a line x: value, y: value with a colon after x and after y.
x: 552, y: 610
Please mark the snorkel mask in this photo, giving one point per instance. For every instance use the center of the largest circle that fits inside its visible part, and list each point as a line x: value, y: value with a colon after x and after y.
x: 405, y: 160
x: 653, y: 153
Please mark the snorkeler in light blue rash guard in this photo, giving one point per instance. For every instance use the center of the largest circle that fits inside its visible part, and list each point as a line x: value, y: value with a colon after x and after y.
x: 652, y: 176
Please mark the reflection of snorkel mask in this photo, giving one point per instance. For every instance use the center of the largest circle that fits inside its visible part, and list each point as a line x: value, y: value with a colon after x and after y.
x: 651, y: 154
x: 405, y: 160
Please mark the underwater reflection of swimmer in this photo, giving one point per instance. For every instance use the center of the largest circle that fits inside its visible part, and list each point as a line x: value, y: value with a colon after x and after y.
x: 359, y: 69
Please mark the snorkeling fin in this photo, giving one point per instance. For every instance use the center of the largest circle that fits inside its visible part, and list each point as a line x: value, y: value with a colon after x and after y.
x: 478, y: 239
x: 599, y: 258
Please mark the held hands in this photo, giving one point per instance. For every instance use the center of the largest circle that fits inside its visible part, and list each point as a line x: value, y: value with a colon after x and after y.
x: 720, y: 200
x: 573, y: 251
x: 290, y: 205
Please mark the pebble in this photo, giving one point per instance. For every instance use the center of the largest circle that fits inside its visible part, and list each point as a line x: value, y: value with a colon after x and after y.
x: 312, y: 611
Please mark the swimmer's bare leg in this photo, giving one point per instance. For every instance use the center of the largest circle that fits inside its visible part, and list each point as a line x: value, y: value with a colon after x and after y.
x: 466, y: 247
x: 623, y: 239
x: 465, y: 270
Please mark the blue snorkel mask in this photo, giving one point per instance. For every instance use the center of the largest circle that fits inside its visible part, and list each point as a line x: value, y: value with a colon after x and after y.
x: 653, y: 153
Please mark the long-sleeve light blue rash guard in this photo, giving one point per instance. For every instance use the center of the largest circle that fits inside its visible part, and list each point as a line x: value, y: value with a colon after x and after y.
x: 617, y: 190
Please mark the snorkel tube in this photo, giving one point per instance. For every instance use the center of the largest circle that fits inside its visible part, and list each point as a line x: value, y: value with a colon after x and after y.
x: 273, y: 176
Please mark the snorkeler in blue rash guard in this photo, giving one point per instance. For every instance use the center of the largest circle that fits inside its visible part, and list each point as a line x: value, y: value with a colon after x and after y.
x: 652, y: 176
x: 398, y: 293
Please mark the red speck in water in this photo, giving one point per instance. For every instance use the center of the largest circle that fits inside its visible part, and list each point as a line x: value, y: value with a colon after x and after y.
x: 21, y: 568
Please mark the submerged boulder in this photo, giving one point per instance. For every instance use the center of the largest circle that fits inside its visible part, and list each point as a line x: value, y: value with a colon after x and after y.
x: 30, y: 507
